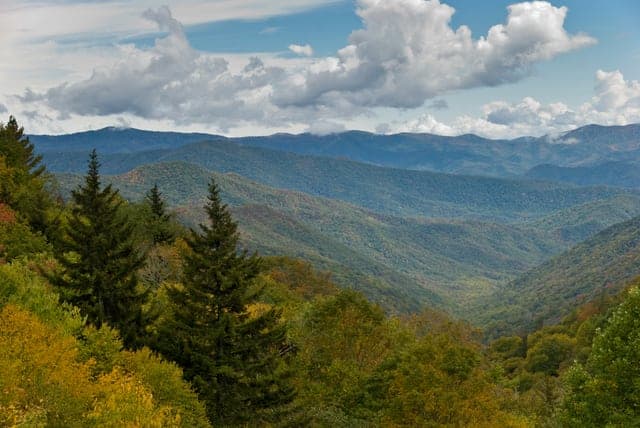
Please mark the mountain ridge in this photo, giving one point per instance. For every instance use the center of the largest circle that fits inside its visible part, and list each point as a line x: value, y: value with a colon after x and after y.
x: 600, y: 265
x: 406, y: 193
x: 465, y: 154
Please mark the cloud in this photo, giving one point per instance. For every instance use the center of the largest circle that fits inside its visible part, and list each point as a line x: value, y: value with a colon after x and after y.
x: 423, y: 124
x: 405, y: 54
x: 270, y: 30
x: 305, y: 50
x: 530, y: 113
x: 36, y: 116
x: 3, y: 108
x: 170, y: 81
x: 615, y: 94
x: 325, y: 127
x: 439, y: 105
x: 616, y: 102
x: 48, y: 19
x: 162, y: 17
x: 123, y: 122
x: 408, y: 52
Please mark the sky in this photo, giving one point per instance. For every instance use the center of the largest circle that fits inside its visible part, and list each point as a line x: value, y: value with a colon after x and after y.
x: 499, y: 69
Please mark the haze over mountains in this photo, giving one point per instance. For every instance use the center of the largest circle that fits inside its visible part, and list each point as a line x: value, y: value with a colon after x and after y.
x: 466, y: 154
x: 405, y: 218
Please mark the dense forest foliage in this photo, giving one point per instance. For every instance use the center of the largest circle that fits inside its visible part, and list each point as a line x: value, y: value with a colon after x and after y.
x: 114, y: 314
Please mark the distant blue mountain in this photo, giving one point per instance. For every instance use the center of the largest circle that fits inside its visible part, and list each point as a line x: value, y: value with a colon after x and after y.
x: 614, y: 173
x: 466, y: 154
x: 115, y: 140
x: 385, y: 190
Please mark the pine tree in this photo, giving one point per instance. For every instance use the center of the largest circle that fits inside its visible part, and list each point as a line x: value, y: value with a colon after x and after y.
x: 99, y: 262
x: 229, y: 355
x: 160, y: 222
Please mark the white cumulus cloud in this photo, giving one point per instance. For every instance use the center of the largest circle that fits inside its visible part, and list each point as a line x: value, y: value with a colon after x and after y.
x: 616, y: 101
x: 406, y: 54
x: 305, y: 50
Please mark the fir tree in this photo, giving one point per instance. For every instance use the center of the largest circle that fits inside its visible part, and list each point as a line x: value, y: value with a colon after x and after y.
x: 154, y: 198
x: 230, y: 356
x: 28, y: 195
x: 160, y: 222
x: 99, y: 261
x: 17, y: 150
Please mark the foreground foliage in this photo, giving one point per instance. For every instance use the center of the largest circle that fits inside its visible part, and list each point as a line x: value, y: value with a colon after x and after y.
x: 605, y: 391
x: 55, y: 371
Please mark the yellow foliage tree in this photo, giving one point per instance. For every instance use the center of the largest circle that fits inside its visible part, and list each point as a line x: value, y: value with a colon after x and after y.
x: 41, y: 379
x: 44, y: 380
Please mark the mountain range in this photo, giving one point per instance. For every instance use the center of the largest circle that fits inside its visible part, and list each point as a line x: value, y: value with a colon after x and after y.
x: 393, y: 191
x: 466, y: 154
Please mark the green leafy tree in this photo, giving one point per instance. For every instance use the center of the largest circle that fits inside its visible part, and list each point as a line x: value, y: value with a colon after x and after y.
x: 227, y: 346
x: 549, y: 352
x: 606, y: 390
x: 99, y: 262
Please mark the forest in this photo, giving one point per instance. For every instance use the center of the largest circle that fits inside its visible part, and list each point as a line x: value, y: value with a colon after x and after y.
x: 115, y: 313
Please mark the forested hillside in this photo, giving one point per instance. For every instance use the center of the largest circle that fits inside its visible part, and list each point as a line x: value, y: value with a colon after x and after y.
x: 398, y: 262
x: 618, y: 173
x: 599, y: 266
x: 577, y: 223
x: 384, y: 190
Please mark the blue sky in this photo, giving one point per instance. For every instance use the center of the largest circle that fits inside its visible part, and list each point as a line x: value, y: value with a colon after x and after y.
x: 240, y: 67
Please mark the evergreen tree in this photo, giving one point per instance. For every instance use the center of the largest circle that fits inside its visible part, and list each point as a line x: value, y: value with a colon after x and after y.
x: 17, y: 150
x: 98, y: 260
x: 229, y: 355
x: 160, y: 222
x: 154, y: 198
x: 28, y: 195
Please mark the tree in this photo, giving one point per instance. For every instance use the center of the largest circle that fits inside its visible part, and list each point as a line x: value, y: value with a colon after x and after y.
x: 99, y: 262
x: 24, y: 178
x: 154, y: 198
x: 606, y: 391
x: 160, y: 224
x: 228, y: 352
x: 17, y: 150
x: 549, y: 352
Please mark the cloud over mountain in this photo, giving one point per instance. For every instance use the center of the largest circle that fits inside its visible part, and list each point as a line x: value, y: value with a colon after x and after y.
x: 616, y: 101
x: 405, y: 54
